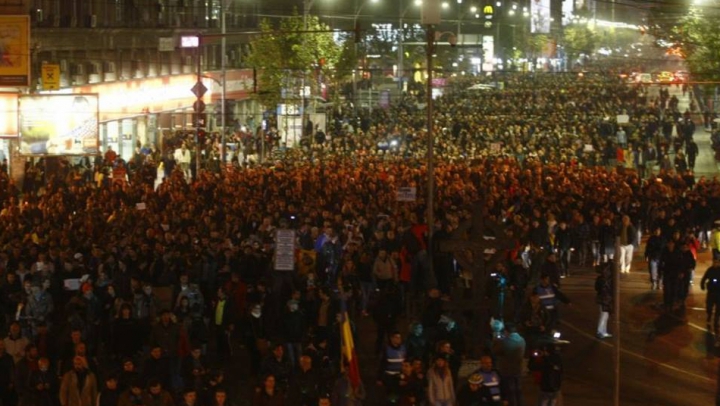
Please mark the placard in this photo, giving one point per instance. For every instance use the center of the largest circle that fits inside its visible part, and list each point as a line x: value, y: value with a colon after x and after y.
x: 623, y: 119
x: 284, y: 250
x: 406, y: 194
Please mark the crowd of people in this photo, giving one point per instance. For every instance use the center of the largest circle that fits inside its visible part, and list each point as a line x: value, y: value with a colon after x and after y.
x: 119, y: 291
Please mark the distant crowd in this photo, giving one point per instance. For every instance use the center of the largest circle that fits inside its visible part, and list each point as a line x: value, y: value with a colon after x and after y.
x: 141, y: 293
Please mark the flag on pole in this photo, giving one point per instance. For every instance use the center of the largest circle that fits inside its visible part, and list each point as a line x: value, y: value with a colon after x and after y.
x: 348, y: 346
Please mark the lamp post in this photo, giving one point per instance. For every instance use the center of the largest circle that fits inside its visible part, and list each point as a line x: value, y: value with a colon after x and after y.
x: 223, y: 69
x: 401, y: 52
x: 355, y: 18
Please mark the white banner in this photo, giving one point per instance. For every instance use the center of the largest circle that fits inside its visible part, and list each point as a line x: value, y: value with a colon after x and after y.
x: 406, y: 194
x: 284, y: 250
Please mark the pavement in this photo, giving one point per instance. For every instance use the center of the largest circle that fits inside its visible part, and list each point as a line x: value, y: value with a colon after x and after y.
x: 705, y: 164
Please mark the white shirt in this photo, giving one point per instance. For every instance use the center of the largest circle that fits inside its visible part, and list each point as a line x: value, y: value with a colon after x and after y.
x: 182, y: 157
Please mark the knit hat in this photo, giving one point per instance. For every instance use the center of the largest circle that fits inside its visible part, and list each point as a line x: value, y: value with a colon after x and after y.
x: 475, y: 379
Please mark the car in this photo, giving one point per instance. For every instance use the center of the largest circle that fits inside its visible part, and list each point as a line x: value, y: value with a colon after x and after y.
x: 682, y: 76
x: 643, y: 78
x: 665, y: 77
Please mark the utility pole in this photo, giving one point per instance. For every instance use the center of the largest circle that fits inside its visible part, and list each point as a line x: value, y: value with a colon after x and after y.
x: 223, y: 69
x: 200, y: 108
x: 430, y: 146
x: 616, y: 354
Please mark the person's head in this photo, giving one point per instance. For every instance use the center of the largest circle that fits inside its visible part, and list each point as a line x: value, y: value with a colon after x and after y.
x: 305, y: 362
x: 79, y: 363
x: 15, y: 329
x: 486, y: 363
x: 657, y: 231
x: 440, y: 362
x: 165, y: 317
x: 395, y: 339
x: 155, y: 387
x: 44, y: 364
x: 156, y: 352
x: 407, y: 368
x: 76, y: 336
x: 136, y: 387
x: 111, y: 382
x: 125, y: 311
x: 220, y: 396
x: 625, y: 220
x: 545, y: 280
x: 278, y: 351
x: 31, y: 352
x: 417, y: 329
x: 196, y: 352
x: 81, y: 349
x: 190, y: 397
x: 444, y: 347
x: 324, y: 401
x: 128, y: 365
x: 474, y: 382
x: 269, y: 382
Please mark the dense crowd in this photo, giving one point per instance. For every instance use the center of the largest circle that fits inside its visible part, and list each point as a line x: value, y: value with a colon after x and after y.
x: 145, y: 294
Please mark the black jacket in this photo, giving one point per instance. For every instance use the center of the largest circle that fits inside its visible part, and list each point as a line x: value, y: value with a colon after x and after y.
x: 711, y: 281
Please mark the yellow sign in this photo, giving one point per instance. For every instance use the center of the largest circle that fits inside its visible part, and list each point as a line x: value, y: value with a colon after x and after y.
x: 51, y: 77
x: 14, y: 51
x: 488, y: 10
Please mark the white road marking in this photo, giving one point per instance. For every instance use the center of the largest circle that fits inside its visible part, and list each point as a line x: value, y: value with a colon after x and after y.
x: 636, y: 355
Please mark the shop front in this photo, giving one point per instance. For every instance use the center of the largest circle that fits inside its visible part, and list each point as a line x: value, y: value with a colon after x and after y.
x: 142, y: 112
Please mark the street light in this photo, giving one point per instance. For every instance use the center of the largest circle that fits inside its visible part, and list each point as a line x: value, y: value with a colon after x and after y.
x: 357, y: 14
x: 401, y: 54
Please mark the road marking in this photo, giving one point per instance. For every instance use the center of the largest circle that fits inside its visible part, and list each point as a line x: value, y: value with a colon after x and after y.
x: 634, y: 354
x: 698, y: 327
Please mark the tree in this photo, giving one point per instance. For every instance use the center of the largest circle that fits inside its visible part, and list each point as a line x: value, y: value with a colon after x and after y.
x: 579, y: 39
x: 290, y: 55
x: 699, y: 42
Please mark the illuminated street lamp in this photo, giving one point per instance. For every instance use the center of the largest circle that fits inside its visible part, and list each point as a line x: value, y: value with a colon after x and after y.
x: 355, y: 26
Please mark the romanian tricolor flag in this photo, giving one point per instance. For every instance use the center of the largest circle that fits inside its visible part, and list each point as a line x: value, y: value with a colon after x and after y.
x: 348, y: 346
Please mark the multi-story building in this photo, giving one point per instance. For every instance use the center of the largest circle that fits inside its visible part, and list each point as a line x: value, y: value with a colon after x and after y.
x: 128, y: 52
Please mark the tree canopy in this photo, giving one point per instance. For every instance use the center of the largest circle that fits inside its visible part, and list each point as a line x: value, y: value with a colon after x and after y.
x: 290, y: 54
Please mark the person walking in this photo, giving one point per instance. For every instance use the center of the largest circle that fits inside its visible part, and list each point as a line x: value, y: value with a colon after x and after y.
x: 604, y: 298
x: 711, y: 282
x: 441, y: 390
x: 653, y: 251
x: 551, y: 374
x: 627, y: 240
x: 78, y: 386
x: 670, y: 264
x: 550, y: 296
x: 509, y: 351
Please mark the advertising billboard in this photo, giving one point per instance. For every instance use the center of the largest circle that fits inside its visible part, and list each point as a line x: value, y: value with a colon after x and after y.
x: 540, y: 16
x: 58, y: 124
x: 8, y: 115
x: 14, y: 51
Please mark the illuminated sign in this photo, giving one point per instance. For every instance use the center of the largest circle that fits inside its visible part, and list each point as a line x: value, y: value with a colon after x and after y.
x: 189, y: 41
x: 540, y: 16
x: 8, y: 115
x: 488, y: 11
x: 58, y: 124
x: 14, y: 51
